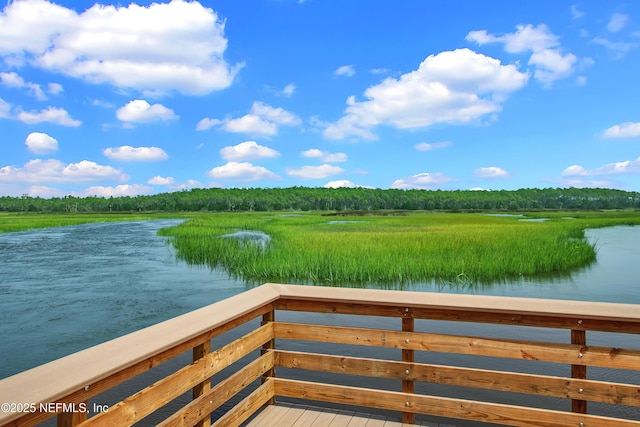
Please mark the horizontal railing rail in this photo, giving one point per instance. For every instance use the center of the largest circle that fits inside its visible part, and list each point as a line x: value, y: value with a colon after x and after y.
x: 229, y: 382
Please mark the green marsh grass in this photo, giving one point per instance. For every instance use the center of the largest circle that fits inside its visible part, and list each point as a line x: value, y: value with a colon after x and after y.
x: 308, y: 248
x: 454, y: 248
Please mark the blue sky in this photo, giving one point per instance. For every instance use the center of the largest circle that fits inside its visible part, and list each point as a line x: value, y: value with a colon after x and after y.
x: 114, y: 99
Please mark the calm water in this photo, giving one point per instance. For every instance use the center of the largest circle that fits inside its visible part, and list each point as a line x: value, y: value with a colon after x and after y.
x: 65, y: 289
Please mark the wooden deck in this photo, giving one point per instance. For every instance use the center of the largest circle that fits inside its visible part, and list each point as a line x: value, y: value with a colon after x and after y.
x: 295, y: 415
x: 305, y: 358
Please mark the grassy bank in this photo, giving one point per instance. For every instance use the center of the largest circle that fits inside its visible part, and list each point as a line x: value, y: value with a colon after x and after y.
x: 381, y: 249
x: 465, y: 248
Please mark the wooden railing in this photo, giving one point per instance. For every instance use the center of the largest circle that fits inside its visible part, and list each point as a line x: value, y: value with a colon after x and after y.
x: 227, y: 384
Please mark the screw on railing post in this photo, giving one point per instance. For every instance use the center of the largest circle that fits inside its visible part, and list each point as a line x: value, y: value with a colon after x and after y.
x: 408, y: 386
x: 268, y: 317
x: 198, y: 353
x: 579, y: 337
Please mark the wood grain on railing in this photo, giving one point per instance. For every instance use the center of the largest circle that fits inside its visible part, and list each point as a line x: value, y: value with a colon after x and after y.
x: 248, y: 406
x: 441, y: 406
x: 542, y: 385
x: 136, y: 407
x: 203, y: 406
x: 87, y: 374
x: 605, y: 357
x: 198, y: 390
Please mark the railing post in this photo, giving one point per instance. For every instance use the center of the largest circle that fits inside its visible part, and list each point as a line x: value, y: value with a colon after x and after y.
x: 579, y: 337
x: 199, y: 352
x: 269, y: 345
x: 69, y: 419
x: 408, y: 386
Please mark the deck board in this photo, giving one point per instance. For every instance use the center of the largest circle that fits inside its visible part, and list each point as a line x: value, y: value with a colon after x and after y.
x: 341, y: 420
x: 296, y: 415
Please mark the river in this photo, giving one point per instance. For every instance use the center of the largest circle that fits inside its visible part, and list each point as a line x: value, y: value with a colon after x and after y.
x: 66, y: 289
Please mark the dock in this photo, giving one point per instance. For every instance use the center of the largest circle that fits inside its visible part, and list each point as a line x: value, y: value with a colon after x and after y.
x: 293, y: 355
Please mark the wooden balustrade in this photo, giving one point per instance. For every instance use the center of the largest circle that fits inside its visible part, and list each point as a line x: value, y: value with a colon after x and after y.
x: 245, y: 370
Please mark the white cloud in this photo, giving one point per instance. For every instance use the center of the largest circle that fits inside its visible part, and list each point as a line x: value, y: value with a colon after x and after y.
x: 315, y: 172
x: 41, y: 143
x: 426, y: 181
x: 313, y: 153
x: 343, y: 183
x: 51, y: 170
x: 619, y: 49
x: 491, y: 172
x: 623, y: 130
x: 250, y: 124
x: 190, y: 183
x: 579, y: 177
x: 549, y: 63
x: 617, y: 22
x: 137, y: 47
x: 205, y: 123
x: 627, y: 167
x: 5, y: 109
x: 127, y: 153
x: 117, y: 191
x: 345, y: 70
x: 380, y: 71
x: 26, y: 27
x: 423, y: 146
x: 525, y: 38
x: 14, y: 80
x: 263, y: 120
x: 248, y: 150
x: 160, y: 180
x: 624, y: 167
x: 58, y: 116
x: 55, y: 88
x: 101, y: 103
x: 574, y: 170
x: 576, y: 13
x: 325, y: 156
x: 241, y: 171
x: 552, y: 65
x: 51, y: 114
x: 43, y: 191
x: 288, y: 90
x: 276, y: 115
x: 171, y: 183
x: 452, y: 87
x: 588, y: 182
x: 586, y: 62
x: 335, y: 157
x: 140, y: 111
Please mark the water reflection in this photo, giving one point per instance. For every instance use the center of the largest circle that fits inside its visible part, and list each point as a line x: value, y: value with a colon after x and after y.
x: 248, y: 236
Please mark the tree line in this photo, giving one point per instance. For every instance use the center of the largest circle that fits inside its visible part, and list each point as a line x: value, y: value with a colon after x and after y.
x: 334, y: 199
